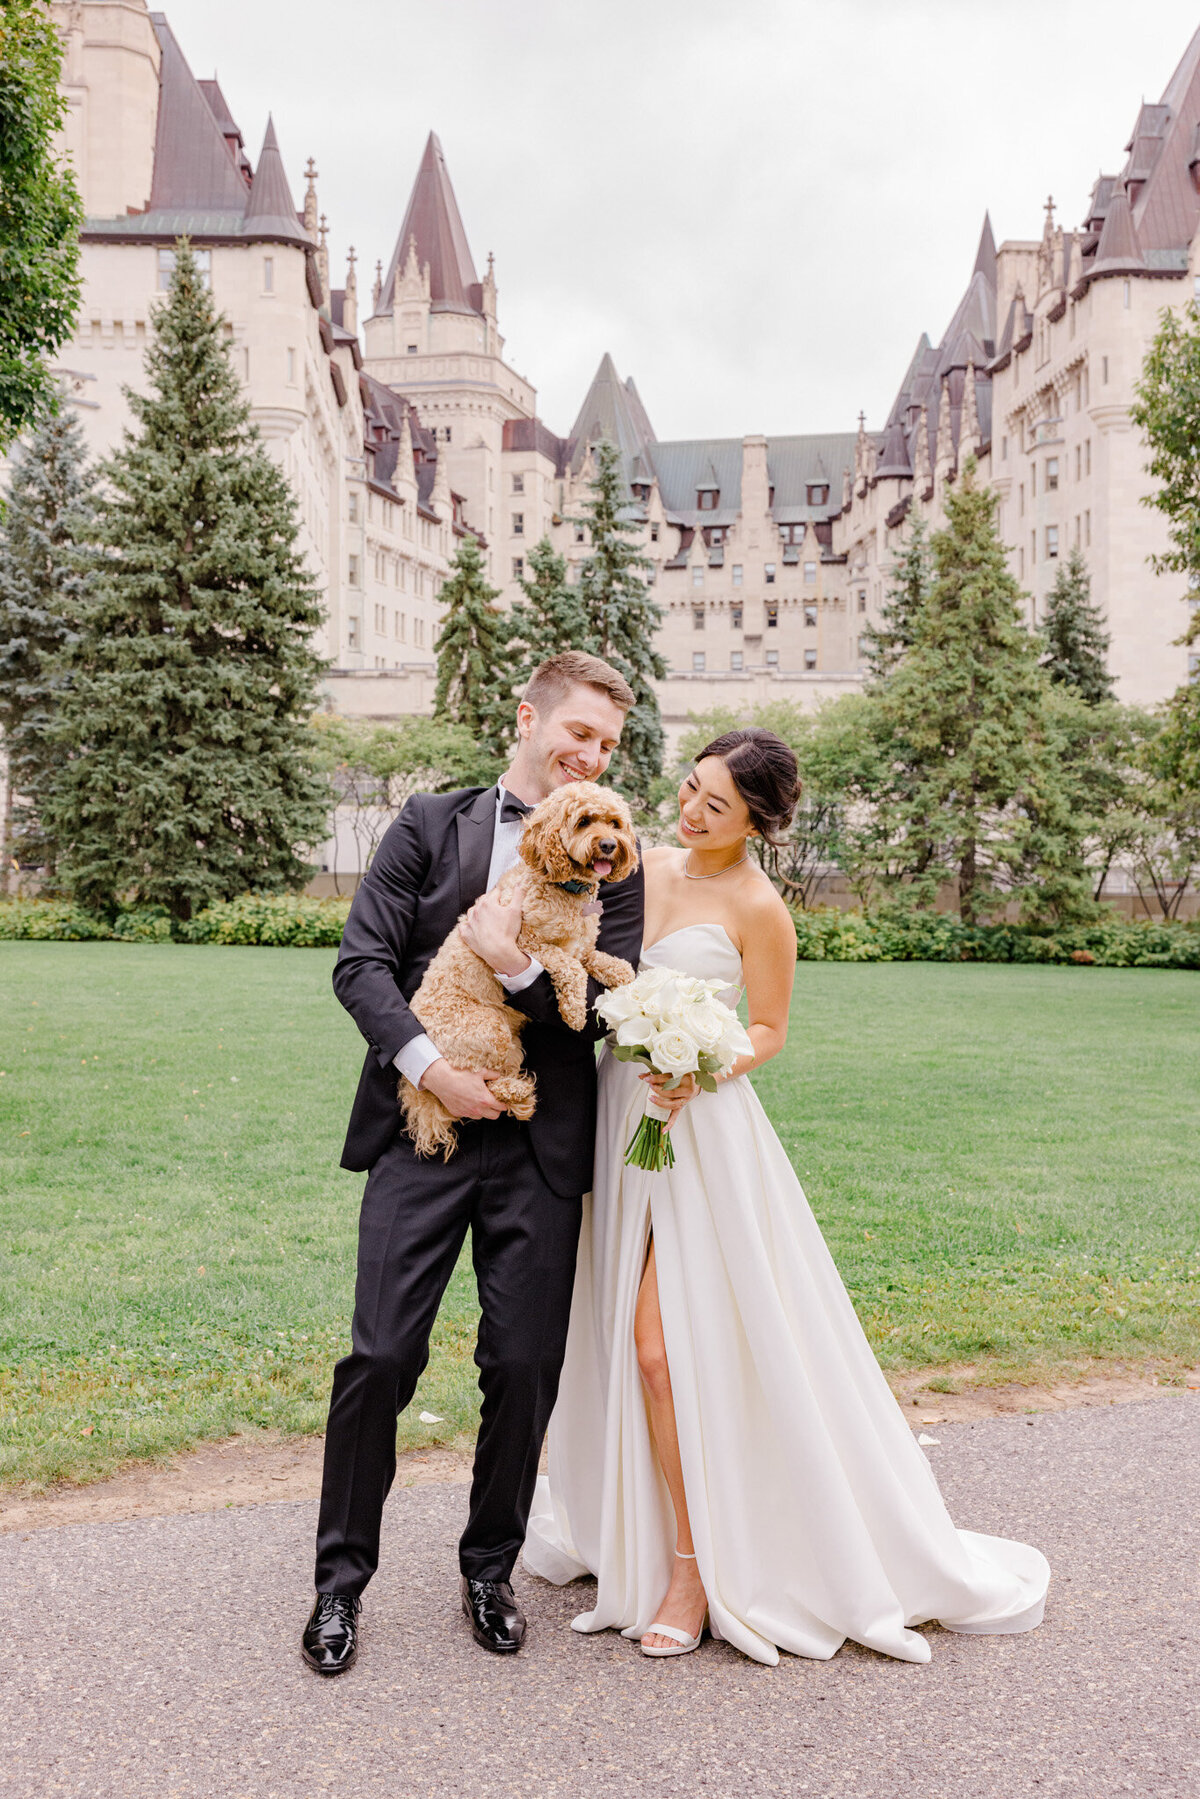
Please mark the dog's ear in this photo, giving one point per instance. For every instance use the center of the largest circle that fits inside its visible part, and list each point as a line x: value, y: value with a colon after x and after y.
x: 541, y: 846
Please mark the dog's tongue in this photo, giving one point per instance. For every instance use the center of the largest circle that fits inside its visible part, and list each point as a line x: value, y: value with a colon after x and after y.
x: 602, y: 868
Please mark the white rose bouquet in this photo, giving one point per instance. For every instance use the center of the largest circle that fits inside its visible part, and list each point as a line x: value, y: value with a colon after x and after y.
x: 676, y: 1025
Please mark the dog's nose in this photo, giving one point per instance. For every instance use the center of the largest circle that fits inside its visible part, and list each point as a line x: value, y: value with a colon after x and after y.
x: 607, y: 846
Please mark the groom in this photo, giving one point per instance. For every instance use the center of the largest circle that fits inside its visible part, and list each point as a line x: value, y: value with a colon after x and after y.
x: 516, y: 1187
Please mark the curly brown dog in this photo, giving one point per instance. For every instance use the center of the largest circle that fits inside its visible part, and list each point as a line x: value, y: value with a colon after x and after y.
x: 578, y: 837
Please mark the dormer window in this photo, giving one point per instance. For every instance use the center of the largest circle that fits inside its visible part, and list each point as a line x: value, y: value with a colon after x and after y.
x: 818, y: 493
x: 706, y: 499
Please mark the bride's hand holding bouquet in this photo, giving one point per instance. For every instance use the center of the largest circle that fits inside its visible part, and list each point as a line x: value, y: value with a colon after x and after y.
x: 674, y: 1024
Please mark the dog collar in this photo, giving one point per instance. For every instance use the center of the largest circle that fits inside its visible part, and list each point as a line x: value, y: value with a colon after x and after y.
x: 575, y: 886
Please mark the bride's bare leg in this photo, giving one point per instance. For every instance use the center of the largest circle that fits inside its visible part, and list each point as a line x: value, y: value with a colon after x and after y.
x: 685, y: 1603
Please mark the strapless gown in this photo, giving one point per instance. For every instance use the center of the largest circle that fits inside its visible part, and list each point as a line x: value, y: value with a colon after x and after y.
x: 815, y: 1513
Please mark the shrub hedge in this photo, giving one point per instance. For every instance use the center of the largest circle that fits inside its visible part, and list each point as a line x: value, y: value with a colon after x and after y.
x: 285, y: 921
x: 892, y: 935
x: 294, y: 921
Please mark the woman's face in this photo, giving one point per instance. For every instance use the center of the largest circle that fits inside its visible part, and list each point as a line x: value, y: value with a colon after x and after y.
x: 712, y: 813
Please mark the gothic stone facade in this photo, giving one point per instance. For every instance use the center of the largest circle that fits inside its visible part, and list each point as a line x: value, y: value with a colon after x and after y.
x: 404, y: 427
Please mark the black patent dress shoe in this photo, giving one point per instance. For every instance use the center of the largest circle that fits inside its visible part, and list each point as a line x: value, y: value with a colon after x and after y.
x: 330, y: 1641
x: 497, y: 1621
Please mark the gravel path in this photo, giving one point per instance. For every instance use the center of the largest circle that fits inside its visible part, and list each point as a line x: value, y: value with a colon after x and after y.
x: 156, y: 1659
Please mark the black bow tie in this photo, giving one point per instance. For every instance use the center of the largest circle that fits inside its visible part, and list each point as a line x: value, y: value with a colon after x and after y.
x: 512, y: 809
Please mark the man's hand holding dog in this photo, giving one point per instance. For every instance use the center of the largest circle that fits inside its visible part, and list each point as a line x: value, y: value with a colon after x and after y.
x: 464, y: 1095
x: 491, y: 929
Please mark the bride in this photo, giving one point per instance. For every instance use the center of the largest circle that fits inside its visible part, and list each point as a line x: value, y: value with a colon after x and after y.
x: 725, y: 1450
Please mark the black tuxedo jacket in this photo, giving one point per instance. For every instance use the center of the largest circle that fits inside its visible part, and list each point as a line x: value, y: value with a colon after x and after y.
x: 433, y: 864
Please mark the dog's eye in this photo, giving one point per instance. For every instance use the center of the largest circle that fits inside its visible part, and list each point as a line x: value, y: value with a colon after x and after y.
x: 585, y: 822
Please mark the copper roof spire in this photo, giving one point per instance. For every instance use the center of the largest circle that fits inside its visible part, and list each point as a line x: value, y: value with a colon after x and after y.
x: 271, y: 211
x: 433, y: 222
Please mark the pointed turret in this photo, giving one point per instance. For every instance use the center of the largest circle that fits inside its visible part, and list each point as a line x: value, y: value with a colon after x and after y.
x: 271, y: 212
x: 893, y: 455
x: 310, y: 198
x: 985, y: 256
x: 1118, y: 252
x: 433, y: 222
x: 610, y: 411
x: 350, y: 296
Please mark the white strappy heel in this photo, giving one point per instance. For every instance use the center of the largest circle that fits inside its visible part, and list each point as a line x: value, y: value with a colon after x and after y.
x: 683, y: 1644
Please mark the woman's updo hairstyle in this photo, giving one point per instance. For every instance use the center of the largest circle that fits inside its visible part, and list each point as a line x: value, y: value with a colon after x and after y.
x: 766, y: 774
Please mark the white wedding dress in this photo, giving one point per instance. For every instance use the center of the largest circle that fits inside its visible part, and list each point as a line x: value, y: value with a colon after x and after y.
x: 814, y: 1512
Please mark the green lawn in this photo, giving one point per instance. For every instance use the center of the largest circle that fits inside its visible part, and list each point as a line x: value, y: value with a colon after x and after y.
x: 1003, y: 1159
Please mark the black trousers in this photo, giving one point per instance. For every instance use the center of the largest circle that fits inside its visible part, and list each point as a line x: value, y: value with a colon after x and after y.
x: 415, y: 1216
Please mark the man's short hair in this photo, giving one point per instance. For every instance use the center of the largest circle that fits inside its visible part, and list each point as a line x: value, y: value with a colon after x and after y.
x: 552, y: 680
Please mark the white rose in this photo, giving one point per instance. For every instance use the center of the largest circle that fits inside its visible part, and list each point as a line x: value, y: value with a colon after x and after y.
x: 672, y: 1053
x: 704, y: 1025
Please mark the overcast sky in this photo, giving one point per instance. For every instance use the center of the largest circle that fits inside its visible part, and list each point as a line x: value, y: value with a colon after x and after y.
x: 755, y: 206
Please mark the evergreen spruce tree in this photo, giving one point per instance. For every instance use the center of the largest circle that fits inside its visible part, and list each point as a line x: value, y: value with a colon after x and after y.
x: 183, y: 775
x: 1076, y: 642
x: 974, y: 792
x: 912, y: 574
x: 46, y: 517
x: 622, y: 619
x: 548, y: 620
x: 473, y: 682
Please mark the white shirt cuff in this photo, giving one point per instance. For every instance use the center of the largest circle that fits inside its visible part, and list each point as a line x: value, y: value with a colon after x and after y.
x: 416, y: 1056
x: 517, y: 983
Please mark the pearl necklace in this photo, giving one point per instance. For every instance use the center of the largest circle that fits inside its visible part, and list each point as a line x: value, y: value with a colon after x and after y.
x: 689, y: 876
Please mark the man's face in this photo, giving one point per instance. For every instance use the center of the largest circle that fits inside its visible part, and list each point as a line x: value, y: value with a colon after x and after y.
x: 573, y: 742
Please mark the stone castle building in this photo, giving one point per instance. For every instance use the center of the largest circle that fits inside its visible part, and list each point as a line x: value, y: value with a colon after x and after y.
x: 401, y: 425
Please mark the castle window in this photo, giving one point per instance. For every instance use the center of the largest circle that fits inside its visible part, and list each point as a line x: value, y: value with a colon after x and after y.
x: 1087, y: 455
x: 697, y: 577
x: 810, y: 615
x: 1004, y: 449
x: 818, y: 493
x: 1051, y: 542
x: 810, y: 572
x: 771, y: 613
x: 518, y: 568
x: 862, y: 599
x: 735, y: 618
x: 1021, y: 499
x: 697, y: 662
x: 1051, y: 474
x: 769, y: 573
x: 735, y: 661
x: 654, y: 534
x: 401, y: 622
x: 1033, y: 480
x: 810, y: 659
x: 772, y: 658
x: 737, y: 574
x: 268, y: 274
x: 579, y: 534
x: 706, y: 499
x: 353, y: 513
x: 518, y: 484
x: 518, y: 524
x: 698, y: 616
x: 411, y: 349
x: 351, y: 633
x: 1033, y: 549
x: 1104, y: 371
x: 353, y: 571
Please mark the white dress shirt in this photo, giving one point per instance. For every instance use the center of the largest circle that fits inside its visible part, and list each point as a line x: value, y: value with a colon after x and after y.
x: 420, y: 1053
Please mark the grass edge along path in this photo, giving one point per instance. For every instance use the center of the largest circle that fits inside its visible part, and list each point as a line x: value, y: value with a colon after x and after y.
x: 996, y: 1155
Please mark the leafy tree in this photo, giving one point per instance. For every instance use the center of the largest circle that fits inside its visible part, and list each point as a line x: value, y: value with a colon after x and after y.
x: 974, y: 791
x: 40, y: 215
x: 183, y: 773
x: 48, y: 514
x: 1076, y: 653
x: 374, y: 768
x: 912, y: 574
x: 621, y: 622
x: 472, y: 661
x: 1168, y: 411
